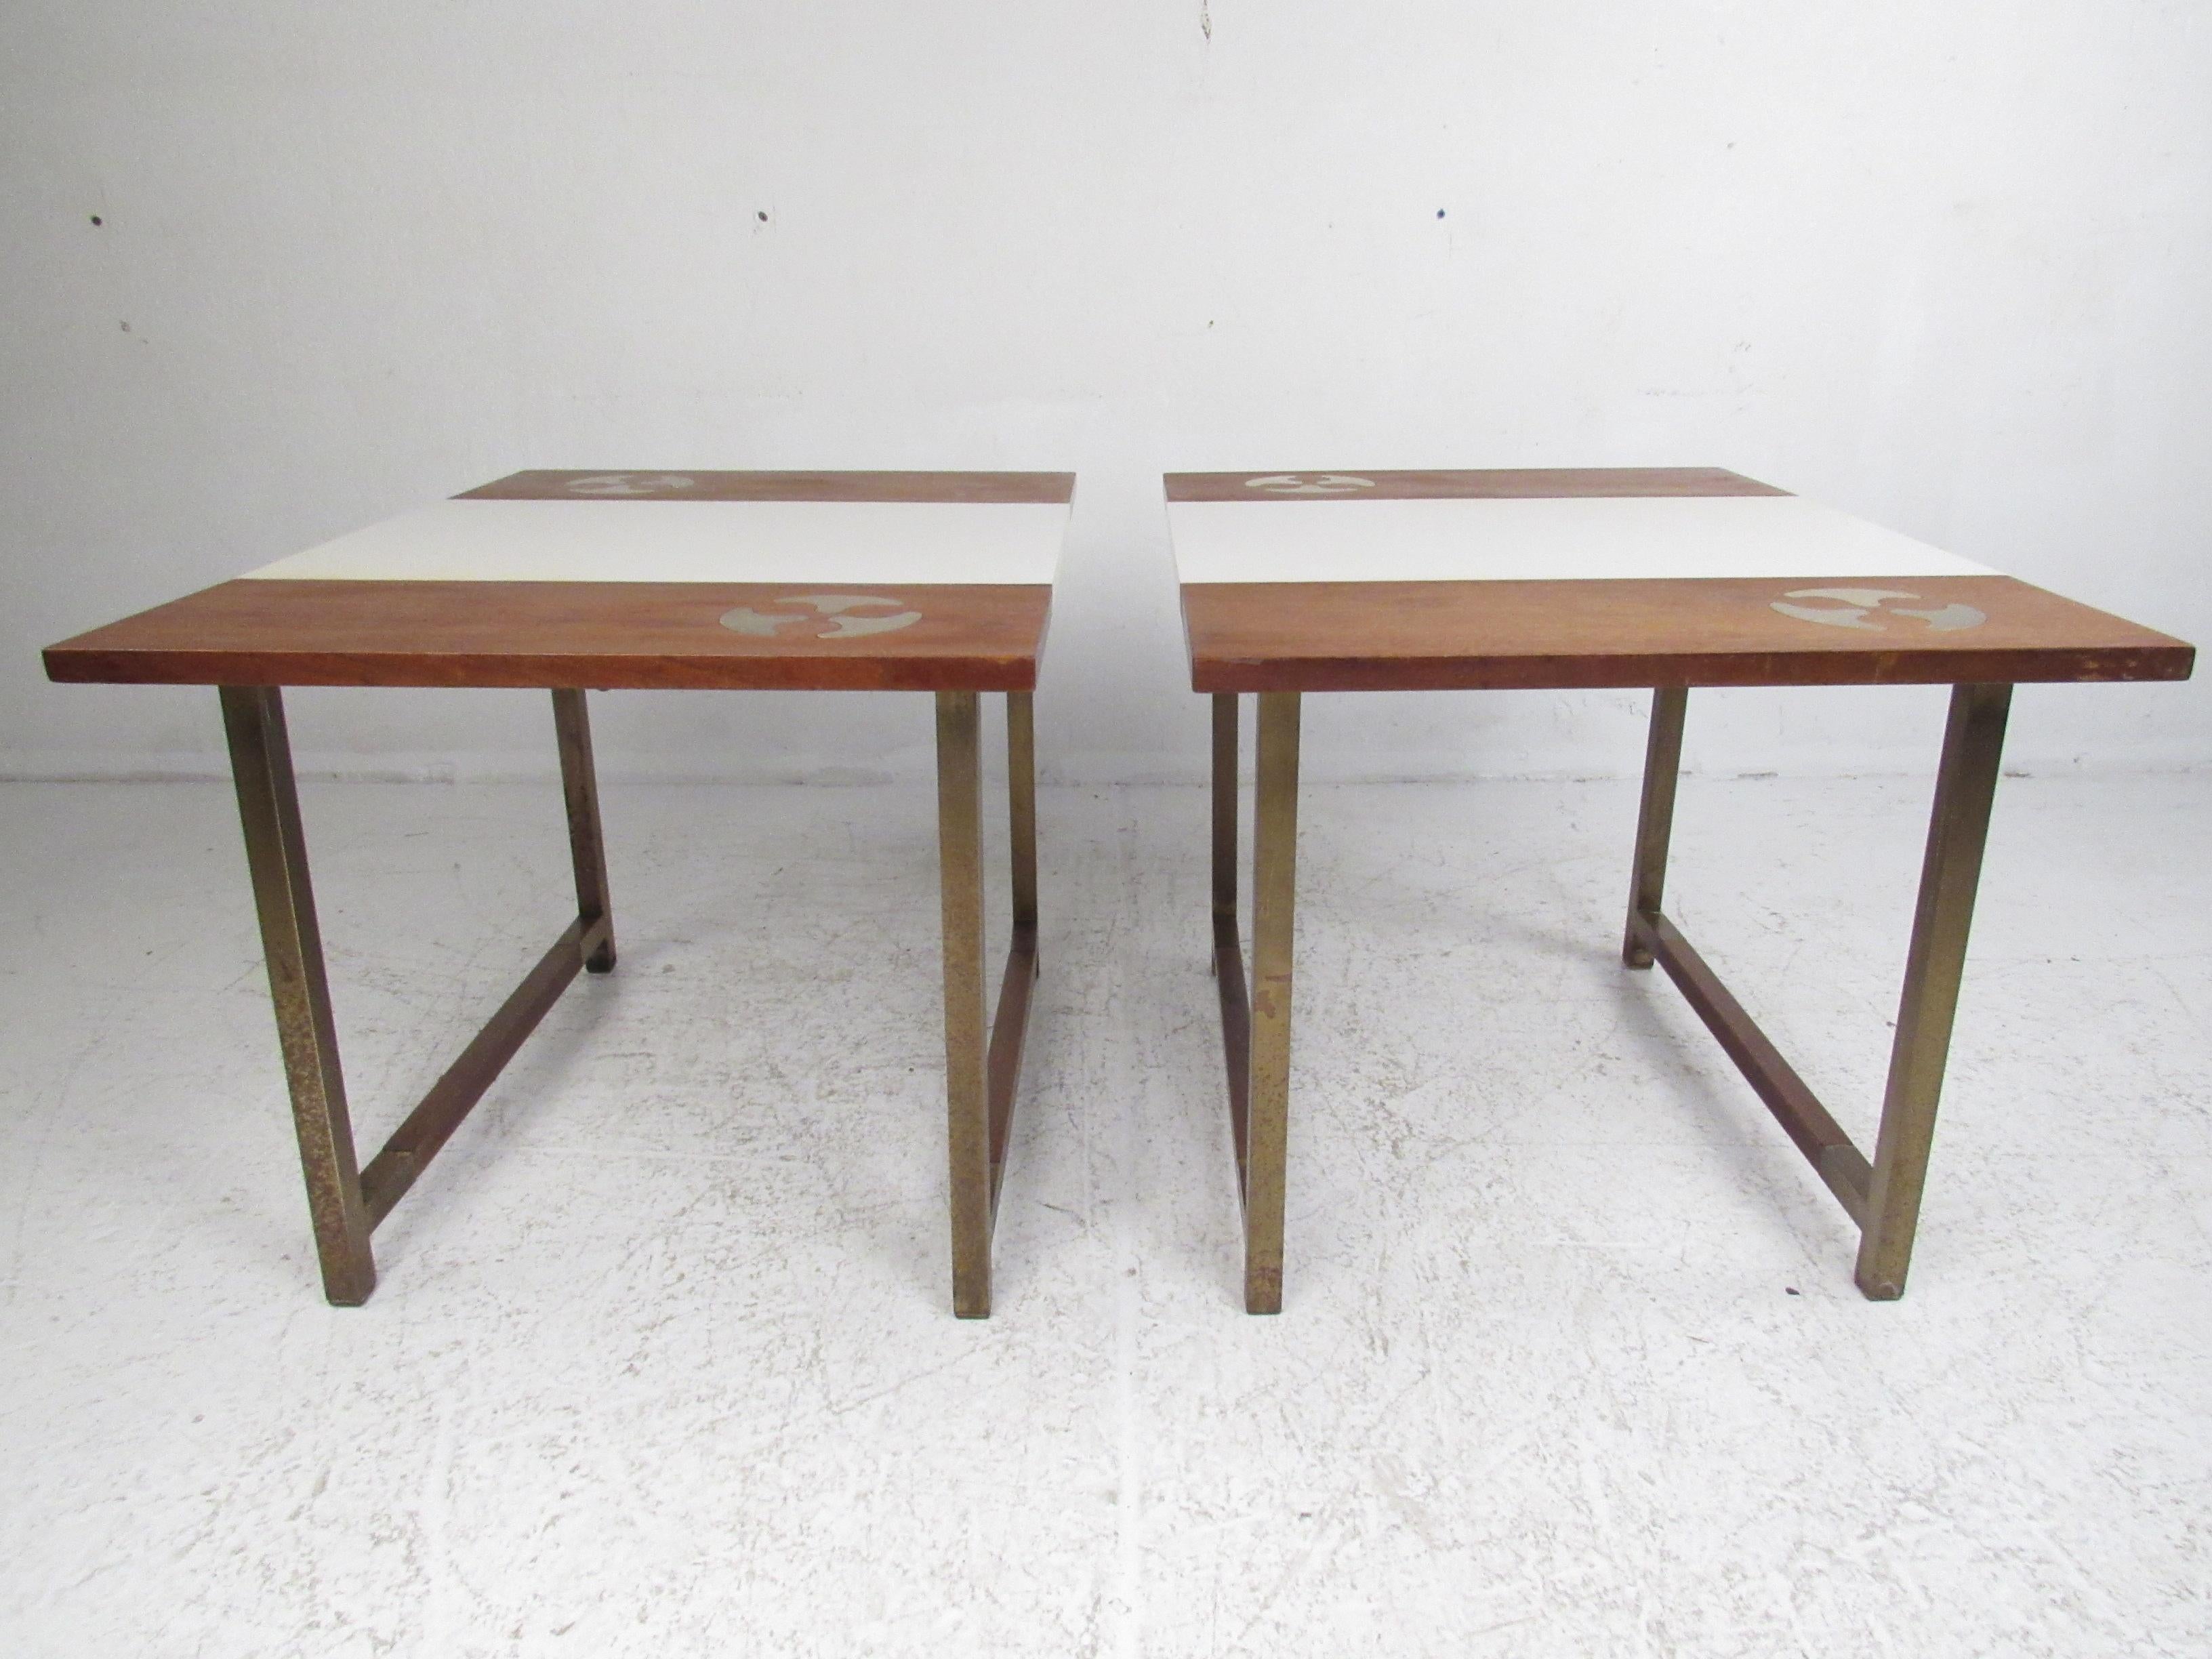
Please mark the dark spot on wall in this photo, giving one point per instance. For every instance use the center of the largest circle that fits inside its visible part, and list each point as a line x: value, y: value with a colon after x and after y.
x: 95, y: 219
x: 126, y: 328
x: 762, y: 216
x: 1440, y: 213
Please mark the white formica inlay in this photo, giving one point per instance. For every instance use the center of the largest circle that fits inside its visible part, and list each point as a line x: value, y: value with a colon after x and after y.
x: 1552, y: 539
x: 891, y: 543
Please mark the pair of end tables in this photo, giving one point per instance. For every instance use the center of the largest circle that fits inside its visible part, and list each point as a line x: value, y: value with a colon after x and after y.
x: 1291, y: 583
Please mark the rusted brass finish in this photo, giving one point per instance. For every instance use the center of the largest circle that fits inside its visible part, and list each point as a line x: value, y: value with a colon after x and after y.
x: 1255, y: 1031
x: 1021, y: 803
x: 292, y: 944
x: 1274, y: 884
x: 1225, y: 803
x: 1882, y: 1196
x: 968, y: 1121
x: 579, y: 786
x: 1958, y: 830
x: 982, y: 1065
x: 427, y: 1128
x: 345, y: 1202
x: 1655, y: 820
x: 1825, y: 1146
x: 1009, y: 1024
x: 1228, y: 948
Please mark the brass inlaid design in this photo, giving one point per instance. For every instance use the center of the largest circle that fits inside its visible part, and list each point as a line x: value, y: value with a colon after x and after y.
x: 629, y: 484
x: 834, y: 610
x: 1854, y: 606
x: 1297, y: 484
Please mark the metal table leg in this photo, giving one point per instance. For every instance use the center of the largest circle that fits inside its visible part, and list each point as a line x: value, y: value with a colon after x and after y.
x: 983, y: 1063
x: 1882, y: 1196
x: 1256, y: 1030
x: 346, y: 1202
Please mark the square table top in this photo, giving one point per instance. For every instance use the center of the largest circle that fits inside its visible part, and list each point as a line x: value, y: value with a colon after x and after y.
x: 933, y: 581
x: 1659, y: 576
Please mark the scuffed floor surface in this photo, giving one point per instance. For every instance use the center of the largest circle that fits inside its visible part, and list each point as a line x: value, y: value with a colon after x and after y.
x: 662, y: 1361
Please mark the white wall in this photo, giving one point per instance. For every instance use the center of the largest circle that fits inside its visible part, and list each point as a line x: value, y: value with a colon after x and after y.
x: 1948, y: 266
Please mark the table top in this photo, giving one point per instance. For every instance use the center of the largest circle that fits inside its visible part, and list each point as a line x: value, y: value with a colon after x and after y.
x: 801, y: 580
x: 1438, y: 580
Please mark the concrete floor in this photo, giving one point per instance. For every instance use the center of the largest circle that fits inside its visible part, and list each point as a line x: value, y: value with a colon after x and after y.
x: 661, y: 1362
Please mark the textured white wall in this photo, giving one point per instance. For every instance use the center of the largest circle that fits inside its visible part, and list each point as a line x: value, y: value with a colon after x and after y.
x: 1949, y: 267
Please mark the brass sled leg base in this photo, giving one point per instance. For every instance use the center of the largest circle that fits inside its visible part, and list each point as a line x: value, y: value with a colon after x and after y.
x: 345, y: 1202
x: 1881, y: 1195
x: 983, y: 1063
x: 1256, y: 1026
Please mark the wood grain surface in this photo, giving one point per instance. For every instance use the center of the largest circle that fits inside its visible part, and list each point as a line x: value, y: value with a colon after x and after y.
x: 647, y: 485
x: 1493, y: 485
x: 1356, y: 636
x: 565, y: 635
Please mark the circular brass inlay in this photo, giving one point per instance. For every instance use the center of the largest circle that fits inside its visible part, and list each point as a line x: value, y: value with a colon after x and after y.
x: 629, y: 484
x: 1321, y: 484
x: 1854, y: 607
x: 832, y: 615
